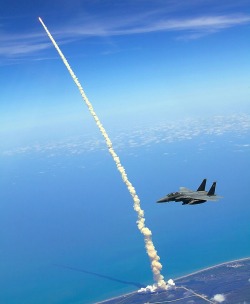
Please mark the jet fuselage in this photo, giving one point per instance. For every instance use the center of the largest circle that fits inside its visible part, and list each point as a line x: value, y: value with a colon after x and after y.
x: 190, y: 197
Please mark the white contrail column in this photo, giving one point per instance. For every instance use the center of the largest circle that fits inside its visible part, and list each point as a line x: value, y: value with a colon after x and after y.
x: 152, y: 253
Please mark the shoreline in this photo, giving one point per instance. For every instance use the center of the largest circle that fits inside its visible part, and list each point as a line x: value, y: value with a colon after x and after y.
x: 211, y: 267
x: 182, y: 277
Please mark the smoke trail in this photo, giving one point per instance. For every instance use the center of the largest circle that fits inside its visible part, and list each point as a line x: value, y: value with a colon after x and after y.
x: 152, y: 253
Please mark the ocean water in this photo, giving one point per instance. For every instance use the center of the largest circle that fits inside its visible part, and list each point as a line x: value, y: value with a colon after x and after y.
x: 67, y: 224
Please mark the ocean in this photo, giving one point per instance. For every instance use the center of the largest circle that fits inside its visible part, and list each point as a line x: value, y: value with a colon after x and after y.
x: 68, y: 229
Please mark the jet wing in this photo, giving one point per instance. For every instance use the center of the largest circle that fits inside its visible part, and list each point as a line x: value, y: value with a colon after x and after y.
x: 198, y: 196
x: 185, y: 190
x: 212, y: 198
x: 203, y: 197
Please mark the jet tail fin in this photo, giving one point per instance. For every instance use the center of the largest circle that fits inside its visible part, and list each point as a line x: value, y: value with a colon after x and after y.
x: 212, y: 189
x: 202, y: 185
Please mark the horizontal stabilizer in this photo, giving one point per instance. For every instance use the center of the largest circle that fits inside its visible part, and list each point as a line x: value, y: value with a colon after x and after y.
x: 196, y: 202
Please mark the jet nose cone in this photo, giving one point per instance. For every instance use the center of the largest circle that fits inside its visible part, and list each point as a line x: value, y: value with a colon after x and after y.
x: 162, y: 200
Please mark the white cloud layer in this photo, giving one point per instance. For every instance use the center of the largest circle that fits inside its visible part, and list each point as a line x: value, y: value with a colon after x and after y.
x: 151, y: 135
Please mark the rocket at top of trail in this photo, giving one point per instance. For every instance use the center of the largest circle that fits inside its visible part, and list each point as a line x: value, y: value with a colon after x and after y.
x: 147, y: 234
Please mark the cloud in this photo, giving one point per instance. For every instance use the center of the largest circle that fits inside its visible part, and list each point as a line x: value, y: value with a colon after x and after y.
x: 146, y: 137
x: 207, y: 23
x: 219, y: 298
x: 21, y: 45
x: 154, y: 22
x: 13, y: 48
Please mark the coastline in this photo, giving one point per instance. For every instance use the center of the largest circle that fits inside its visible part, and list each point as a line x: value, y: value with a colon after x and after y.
x: 211, y: 267
x: 182, y: 277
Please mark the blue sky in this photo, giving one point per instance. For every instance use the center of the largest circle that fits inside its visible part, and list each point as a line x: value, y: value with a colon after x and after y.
x: 139, y: 60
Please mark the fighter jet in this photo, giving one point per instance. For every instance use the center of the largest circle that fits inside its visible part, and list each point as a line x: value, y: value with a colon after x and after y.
x: 190, y: 197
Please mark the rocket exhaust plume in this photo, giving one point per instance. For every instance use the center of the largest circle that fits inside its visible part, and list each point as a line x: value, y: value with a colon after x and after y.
x: 156, y: 266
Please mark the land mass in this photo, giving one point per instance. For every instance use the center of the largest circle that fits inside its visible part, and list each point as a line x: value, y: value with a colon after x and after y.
x: 228, y: 282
